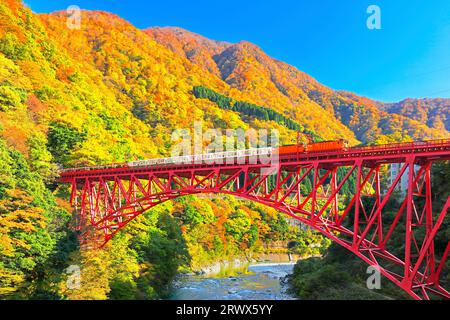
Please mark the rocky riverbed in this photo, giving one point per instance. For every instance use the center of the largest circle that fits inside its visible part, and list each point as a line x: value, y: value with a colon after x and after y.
x: 263, y: 282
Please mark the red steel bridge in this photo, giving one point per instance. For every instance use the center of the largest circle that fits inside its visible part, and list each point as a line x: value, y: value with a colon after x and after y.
x: 407, y: 243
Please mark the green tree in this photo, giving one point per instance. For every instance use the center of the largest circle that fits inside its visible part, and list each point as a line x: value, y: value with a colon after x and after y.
x: 62, y: 139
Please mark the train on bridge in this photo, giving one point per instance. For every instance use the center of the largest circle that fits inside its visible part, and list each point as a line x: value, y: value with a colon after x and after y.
x: 324, y: 146
x: 298, y: 149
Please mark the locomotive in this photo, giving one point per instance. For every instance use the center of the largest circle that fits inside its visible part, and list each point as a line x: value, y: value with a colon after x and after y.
x: 313, y: 147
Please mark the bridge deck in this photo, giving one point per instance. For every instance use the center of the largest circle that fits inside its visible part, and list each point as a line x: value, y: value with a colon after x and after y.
x: 370, y: 157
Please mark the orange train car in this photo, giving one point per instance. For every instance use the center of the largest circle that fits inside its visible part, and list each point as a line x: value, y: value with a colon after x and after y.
x: 315, y: 147
x: 290, y: 149
x: 324, y: 146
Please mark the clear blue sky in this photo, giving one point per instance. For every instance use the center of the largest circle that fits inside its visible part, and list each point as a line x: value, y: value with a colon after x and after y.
x: 328, y: 39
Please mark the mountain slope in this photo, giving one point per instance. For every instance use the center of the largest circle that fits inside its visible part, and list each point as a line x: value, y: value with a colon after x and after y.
x: 282, y: 87
x: 244, y: 67
x: 197, y: 49
x: 153, y: 82
x: 433, y: 112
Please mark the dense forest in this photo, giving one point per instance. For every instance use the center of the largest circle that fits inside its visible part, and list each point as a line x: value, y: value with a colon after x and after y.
x: 109, y: 92
x: 247, y: 109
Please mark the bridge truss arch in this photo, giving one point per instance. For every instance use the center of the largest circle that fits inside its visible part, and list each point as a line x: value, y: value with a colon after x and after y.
x: 309, y: 189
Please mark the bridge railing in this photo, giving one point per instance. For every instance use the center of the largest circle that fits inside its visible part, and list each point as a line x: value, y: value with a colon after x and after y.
x: 189, y: 159
x: 404, y: 145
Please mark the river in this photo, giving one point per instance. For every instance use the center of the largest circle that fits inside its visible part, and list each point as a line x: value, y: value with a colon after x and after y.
x: 263, y: 282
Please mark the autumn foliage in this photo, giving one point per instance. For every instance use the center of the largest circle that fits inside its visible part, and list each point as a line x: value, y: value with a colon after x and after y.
x: 110, y: 92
